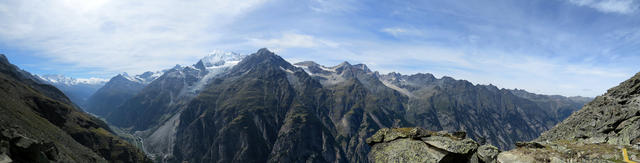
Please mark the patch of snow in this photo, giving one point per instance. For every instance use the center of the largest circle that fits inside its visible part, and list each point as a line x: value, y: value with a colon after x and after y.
x: 401, y: 90
x: 329, y: 69
x: 305, y: 68
x: 144, y: 78
x: 286, y: 70
x: 216, y: 63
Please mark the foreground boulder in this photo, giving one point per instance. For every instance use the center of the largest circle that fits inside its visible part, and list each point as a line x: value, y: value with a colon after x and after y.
x: 420, y: 145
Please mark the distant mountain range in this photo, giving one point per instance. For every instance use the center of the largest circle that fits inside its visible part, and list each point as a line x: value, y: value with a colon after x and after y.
x: 39, y: 124
x: 229, y: 107
x: 78, y: 90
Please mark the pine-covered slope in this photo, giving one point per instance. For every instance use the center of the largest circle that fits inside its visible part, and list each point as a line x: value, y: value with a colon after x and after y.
x: 38, y: 123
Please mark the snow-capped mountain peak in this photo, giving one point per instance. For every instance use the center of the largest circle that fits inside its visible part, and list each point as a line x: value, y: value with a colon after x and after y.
x: 220, y: 58
x: 64, y: 80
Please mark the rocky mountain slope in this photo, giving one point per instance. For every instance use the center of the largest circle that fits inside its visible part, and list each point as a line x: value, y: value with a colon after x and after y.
x: 604, y: 130
x: 485, y: 112
x: 115, y: 92
x: 261, y: 108
x: 78, y: 90
x: 38, y: 123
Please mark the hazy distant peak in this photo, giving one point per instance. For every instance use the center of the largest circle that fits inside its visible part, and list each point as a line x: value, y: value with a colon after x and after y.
x: 61, y: 79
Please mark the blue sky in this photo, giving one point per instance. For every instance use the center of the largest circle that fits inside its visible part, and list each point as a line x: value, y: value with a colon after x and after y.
x: 566, y: 47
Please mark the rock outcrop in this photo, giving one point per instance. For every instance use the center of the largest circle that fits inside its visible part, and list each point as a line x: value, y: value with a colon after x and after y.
x: 420, y: 145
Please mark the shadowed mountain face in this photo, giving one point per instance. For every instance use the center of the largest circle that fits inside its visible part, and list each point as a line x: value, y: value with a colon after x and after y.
x: 263, y: 109
x: 113, y: 94
x: 38, y: 123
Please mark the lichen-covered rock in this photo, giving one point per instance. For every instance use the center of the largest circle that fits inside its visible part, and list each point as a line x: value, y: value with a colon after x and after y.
x: 405, y: 150
x: 450, y: 144
x: 420, y: 145
x: 488, y: 153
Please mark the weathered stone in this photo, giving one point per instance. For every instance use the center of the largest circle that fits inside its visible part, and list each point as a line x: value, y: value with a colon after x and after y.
x: 509, y: 157
x: 377, y: 137
x: 420, y: 145
x: 4, y: 158
x: 460, y: 134
x: 405, y: 150
x: 464, y: 146
x: 529, y: 145
x: 488, y: 153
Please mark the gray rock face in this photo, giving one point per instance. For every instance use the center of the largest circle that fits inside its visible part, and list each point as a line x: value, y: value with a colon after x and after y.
x: 487, y: 153
x: 420, y: 145
x: 24, y: 149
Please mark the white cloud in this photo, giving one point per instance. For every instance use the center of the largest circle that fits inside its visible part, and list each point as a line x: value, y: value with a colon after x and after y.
x: 292, y: 40
x: 395, y: 31
x: 332, y: 6
x: 119, y: 35
x: 610, y: 6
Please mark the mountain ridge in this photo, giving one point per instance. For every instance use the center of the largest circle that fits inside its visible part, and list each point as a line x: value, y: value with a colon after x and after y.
x: 348, y: 104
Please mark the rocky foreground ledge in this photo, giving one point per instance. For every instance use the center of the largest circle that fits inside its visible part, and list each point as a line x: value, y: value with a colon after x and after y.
x: 421, y: 145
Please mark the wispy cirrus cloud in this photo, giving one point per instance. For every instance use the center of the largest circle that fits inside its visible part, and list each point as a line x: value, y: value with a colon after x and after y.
x: 288, y: 40
x: 610, y: 6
